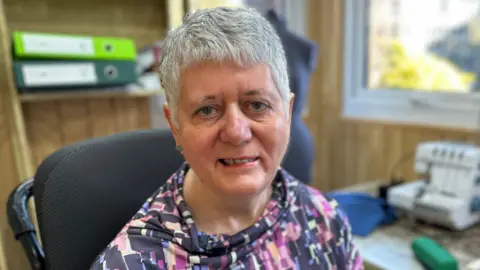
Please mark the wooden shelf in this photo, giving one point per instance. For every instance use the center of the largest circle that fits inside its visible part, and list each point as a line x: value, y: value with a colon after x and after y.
x: 83, y: 94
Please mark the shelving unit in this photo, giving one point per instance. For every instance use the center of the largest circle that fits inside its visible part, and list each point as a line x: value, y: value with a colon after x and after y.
x: 87, y: 94
x: 34, y: 125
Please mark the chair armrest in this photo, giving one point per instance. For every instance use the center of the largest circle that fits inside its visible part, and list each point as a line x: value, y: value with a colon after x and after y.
x: 22, y: 225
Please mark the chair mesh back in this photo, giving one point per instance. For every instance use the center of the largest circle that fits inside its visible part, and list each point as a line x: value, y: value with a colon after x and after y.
x: 86, y: 192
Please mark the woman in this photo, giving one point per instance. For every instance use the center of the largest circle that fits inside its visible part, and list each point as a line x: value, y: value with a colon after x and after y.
x: 230, y: 206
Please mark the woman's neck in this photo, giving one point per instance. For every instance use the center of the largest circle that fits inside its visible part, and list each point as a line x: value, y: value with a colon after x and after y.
x: 215, y: 214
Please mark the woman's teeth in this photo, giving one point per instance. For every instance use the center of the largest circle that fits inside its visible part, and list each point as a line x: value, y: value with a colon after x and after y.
x: 237, y: 161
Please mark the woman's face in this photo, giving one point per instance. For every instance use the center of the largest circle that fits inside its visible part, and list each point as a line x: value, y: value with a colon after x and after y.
x: 233, y: 126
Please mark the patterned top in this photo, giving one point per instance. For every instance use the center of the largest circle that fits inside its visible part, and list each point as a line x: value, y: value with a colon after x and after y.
x: 299, y: 229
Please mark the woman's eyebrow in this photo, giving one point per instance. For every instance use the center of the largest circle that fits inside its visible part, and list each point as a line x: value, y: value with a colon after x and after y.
x: 261, y: 92
x: 207, y: 98
x: 256, y: 92
x: 193, y: 101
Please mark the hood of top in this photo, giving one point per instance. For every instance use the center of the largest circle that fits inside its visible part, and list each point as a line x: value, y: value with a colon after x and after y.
x: 169, y: 219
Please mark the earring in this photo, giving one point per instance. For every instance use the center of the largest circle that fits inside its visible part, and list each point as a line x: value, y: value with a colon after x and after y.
x: 179, y: 148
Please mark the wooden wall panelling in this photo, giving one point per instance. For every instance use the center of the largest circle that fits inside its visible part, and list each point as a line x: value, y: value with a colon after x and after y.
x: 350, y: 152
x: 44, y: 129
x: 176, y: 10
x: 15, y: 163
x: 100, y: 111
x: 9, y: 179
x: 75, y: 124
x: 144, y: 113
x: 52, y: 124
x: 351, y: 149
x: 145, y: 21
x: 65, y: 122
x: 324, y: 102
x: 38, y: 128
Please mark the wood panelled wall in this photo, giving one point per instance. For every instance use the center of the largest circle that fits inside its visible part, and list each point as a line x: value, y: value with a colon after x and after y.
x: 52, y: 124
x: 350, y: 152
x: 13, y: 158
x: 44, y: 126
x: 65, y: 122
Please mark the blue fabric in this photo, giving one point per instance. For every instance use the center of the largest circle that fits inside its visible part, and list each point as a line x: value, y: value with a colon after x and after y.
x: 302, y: 58
x: 364, y: 211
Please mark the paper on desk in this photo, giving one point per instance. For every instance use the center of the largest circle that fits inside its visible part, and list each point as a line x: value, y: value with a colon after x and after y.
x: 475, y: 265
x: 388, y: 254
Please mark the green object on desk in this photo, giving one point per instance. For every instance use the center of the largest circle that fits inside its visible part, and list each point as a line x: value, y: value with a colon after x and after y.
x: 432, y: 255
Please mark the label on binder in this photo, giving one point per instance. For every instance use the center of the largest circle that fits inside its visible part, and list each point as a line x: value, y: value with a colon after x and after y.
x: 50, y: 44
x: 59, y: 74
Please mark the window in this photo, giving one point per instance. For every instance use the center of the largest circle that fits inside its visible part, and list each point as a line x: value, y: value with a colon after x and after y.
x: 413, y: 61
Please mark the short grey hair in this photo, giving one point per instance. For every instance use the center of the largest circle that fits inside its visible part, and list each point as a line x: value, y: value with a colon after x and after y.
x: 240, y: 34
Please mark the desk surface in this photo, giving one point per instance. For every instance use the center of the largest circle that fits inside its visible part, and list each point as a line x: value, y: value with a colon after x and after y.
x: 389, y: 247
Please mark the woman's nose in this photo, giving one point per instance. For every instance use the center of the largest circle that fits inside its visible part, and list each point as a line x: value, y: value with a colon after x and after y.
x: 236, y: 128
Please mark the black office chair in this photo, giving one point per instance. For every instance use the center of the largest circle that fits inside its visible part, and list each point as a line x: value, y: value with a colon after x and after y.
x: 86, y: 192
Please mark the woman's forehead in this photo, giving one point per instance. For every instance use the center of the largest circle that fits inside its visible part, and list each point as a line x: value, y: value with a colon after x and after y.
x: 217, y: 81
x: 254, y: 93
x: 206, y: 68
x: 228, y: 96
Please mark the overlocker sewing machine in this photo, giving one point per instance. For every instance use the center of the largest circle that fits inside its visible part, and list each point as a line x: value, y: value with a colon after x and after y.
x: 449, y: 193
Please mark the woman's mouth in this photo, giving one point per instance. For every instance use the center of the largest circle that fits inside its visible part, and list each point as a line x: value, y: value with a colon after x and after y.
x: 238, y: 161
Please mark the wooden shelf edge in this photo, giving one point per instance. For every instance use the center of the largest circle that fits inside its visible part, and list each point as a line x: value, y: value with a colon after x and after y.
x: 86, y: 94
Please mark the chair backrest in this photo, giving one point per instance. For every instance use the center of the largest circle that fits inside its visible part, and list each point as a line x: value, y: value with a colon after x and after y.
x: 86, y: 192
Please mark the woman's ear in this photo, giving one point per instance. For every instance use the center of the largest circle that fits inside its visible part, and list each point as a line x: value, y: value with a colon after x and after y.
x: 290, y: 109
x: 168, y: 115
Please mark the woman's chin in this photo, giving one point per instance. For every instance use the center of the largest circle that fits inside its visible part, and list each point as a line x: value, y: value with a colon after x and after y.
x: 243, y: 185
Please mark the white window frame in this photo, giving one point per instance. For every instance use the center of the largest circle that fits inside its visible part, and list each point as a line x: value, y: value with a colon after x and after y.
x: 448, y: 110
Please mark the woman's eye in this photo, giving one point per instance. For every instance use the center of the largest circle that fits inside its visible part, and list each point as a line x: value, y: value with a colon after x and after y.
x: 258, y: 106
x: 206, y: 111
